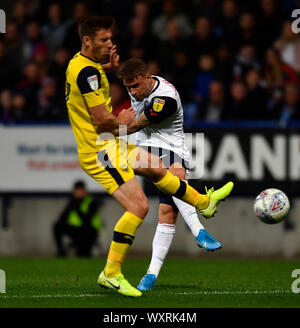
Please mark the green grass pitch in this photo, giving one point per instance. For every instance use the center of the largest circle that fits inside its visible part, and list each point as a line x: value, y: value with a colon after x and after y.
x: 183, y: 283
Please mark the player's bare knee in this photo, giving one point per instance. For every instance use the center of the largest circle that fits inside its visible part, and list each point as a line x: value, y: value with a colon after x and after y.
x: 167, y: 214
x: 167, y: 219
x: 157, y: 174
x: 178, y: 170
x: 140, y: 209
x: 144, y: 207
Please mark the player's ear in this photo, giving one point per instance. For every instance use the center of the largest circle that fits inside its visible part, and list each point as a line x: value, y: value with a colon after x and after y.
x: 86, y: 41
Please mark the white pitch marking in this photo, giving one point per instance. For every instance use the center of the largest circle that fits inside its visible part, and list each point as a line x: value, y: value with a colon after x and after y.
x: 244, y: 292
x: 52, y: 296
x: 212, y: 292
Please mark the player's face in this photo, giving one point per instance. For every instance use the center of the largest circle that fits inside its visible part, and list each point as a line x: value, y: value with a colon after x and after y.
x: 101, y: 45
x: 139, y: 87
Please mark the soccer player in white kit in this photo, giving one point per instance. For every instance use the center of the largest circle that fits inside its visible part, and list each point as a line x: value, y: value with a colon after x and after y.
x: 159, y: 129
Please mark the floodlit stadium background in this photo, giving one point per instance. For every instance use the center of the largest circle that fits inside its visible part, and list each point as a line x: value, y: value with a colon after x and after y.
x: 236, y: 65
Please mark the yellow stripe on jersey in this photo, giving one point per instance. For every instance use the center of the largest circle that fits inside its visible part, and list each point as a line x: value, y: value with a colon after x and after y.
x: 86, y: 86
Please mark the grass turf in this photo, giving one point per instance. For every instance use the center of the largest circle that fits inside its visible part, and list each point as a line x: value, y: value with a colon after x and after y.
x: 183, y: 283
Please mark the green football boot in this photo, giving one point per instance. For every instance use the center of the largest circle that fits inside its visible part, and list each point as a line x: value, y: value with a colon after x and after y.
x: 119, y: 284
x: 216, y: 196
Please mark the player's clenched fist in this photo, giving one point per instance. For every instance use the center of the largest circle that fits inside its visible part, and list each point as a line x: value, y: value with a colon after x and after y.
x: 127, y: 116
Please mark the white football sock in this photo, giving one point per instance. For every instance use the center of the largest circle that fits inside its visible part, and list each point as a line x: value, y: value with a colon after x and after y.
x: 189, y: 215
x: 160, y: 246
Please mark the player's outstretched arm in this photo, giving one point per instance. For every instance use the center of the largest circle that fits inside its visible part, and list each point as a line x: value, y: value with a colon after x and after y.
x: 159, y: 109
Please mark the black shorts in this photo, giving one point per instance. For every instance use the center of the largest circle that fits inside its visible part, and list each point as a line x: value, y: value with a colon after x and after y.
x: 168, y: 157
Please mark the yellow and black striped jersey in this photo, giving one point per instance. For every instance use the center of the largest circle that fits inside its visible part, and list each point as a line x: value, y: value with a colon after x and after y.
x: 86, y: 86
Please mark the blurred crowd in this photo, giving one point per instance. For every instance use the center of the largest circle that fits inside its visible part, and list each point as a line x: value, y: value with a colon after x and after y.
x: 229, y: 60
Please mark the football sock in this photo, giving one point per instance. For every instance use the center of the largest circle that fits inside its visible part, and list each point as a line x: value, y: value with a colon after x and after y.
x: 124, y: 233
x: 174, y: 186
x: 189, y: 215
x: 160, y: 246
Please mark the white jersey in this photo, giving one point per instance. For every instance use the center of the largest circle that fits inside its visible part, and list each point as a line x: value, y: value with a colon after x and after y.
x: 166, y: 127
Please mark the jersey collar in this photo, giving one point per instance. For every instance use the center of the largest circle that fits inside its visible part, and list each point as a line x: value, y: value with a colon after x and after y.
x: 156, y: 85
x: 89, y: 58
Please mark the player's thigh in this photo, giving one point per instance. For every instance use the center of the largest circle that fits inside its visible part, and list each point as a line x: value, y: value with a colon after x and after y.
x: 148, y: 165
x: 106, y: 174
x: 119, y: 182
x: 132, y: 198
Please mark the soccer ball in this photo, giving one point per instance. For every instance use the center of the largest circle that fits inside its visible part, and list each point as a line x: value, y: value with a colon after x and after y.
x: 271, y: 206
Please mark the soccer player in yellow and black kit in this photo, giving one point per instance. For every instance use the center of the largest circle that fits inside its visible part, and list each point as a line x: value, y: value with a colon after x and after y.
x: 111, y: 161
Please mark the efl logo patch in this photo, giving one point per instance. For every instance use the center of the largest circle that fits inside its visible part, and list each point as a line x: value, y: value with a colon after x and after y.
x: 158, y: 104
x: 93, y: 82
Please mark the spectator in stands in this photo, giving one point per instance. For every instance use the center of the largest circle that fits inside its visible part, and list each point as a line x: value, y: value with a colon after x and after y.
x: 57, y: 70
x: 239, y: 109
x: 9, y: 72
x: 79, y: 221
x: 13, y: 107
x: 227, y: 23
x: 19, y: 111
x: 29, y: 86
x: 288, y: 109
x: 154, y: 67
x: 5, y: 106
x: 54, y: 31
x: 119, y: 98
x: 247, y: 32
x: 205, y: 75
x: 37, y: 9
x: 256, y: 96
x: 224, y: 65
x: 269, y: 21
x: 167, y: 48
x: 277, y: 74
x: 20, y: 15
x: 215, y: 107
x: 245, y: 60
x: 170, y: 13
x: 17, y: 48
x: 245, y: 28
x: 141, y: 10
x: 38, y: 47
x: 289, y: 47
x: 48, y: 109
x: 138, y: 43
x: 203, y: 40
x: 181, y: 76
x: 119, y: 9
x: 72, y: 41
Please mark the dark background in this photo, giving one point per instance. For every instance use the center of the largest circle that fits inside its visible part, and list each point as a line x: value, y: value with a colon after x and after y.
x: 230, y: 60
